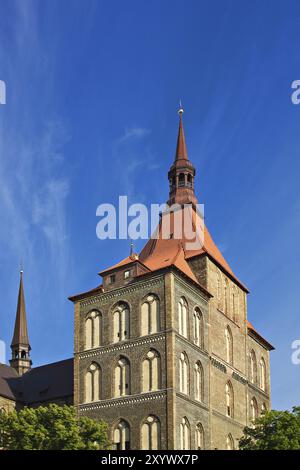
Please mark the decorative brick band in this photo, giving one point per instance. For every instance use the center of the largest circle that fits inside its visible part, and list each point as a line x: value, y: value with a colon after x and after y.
x: 218, y: 365
x: 121, y: 346
x: 121, y: 291
x: 239, y: 378
x: 130, y: 400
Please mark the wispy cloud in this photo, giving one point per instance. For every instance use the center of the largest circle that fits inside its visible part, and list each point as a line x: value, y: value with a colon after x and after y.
x: 134, y: 133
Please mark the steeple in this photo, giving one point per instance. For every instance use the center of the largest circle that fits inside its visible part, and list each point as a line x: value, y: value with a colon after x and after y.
x: 182, y: 173
x: 20, y: 346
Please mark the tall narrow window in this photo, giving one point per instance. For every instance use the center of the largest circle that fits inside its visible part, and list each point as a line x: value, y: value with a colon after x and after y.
x: 122, y: 377
x: 263, y: 409
x: 185, y: 434
x: 253, y: 367
x: 151, y: 372
x: 122, y: 436
x: 198, y: 381
x: 183, y: 317
x: 199, y: 437
x: 198, y: 327
x: 262, y: 374
x: 151, y: 434
x: 93, y: 330
x: 150, y: 317
x: 253, y: 409
x: 229, y: 442
x: 229, y: 399
x: 184, y: 374
x: 93, y: 383
x: 120, y: 323
x: 219, y: 290
x: 229, y: 345
x: 226, y: 295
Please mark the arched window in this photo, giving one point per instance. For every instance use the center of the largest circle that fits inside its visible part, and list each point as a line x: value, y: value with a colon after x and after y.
x: 93, y: 330
x: 253, y: 367
x: 229, y: 442
x: 262, y: 374
x: 199, y: 437
x: 151, y: 372
x: 183, y: 317
x: 121, y: 436
x: 253, y: 409
x: 229, y: 345
x: 183, y: 373
x: 263, y: 409
x: 150, y: 318
x: 181, y: 179
x: 229, y: 399
x: 198, y: 327
x: 226, y: 295
x: 185, y: 434
x: 151, y: 434
x: 219, y: 289
x: 93, y: 383
x: 198, y: 381
x: 120, y: 322
x: 122, y: 377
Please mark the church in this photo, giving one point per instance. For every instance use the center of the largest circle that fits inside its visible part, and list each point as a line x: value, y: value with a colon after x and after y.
x: 163, y: 349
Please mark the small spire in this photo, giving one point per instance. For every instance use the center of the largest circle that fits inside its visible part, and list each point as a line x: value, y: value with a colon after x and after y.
x: 20, y: 336
x: 181, y: 150
x: 131, y: 248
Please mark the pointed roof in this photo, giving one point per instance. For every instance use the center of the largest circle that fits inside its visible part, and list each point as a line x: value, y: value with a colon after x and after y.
x: 181, y: 149
x: 20, y: 331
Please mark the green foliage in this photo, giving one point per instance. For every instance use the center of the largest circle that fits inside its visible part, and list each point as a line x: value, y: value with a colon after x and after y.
x: 51, y: 427
x: 275, y: 430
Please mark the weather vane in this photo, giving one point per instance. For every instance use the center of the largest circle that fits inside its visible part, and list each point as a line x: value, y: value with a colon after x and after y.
x: 181, y: 110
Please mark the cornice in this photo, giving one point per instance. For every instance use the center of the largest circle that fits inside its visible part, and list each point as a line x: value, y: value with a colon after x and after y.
x: 128, y: 400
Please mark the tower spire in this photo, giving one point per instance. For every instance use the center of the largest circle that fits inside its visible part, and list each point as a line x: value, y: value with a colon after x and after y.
x: 182, y: 173
x: 20, y: 346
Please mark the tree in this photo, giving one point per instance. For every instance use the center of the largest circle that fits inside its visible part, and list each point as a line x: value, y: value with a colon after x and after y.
x: 51, y: 427
x: 275, y: 430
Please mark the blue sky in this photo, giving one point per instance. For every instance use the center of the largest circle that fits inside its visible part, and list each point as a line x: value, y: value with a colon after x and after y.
x: 92, y: 93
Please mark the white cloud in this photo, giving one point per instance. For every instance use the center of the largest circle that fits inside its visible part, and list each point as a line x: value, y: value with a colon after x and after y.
x: 134, y: 133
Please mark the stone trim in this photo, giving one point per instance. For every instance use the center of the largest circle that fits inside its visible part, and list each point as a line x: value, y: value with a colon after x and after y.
x: 129, y: 400
x: 259, y: 390
x: 121, y: 291
x: 191, y: 344
x: 195, y: 294
x: 123, y: 345
x: 189, y: 399
x: 229, y: 420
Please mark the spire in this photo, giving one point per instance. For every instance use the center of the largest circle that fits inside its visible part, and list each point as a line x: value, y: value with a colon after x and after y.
x: 20, y: 342
x: 181, y: 150
x: 182, y: 173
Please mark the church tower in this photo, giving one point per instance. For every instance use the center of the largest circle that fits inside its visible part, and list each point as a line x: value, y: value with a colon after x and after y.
x: 20, y: 346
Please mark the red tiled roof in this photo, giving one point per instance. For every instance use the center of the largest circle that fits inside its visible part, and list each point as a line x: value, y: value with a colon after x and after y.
x: 266, y: 343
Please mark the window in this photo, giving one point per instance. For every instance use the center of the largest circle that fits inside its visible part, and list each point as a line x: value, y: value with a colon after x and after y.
x: 185, y: 434
x: 122, y: 377
x: 121, y: 436
x: 229, y: 345
x: 151, y: 373
x: 120, y: 323
x: 263, y: 409
x: 199, y: 437
x: 226, y: 294
x: 93, y: 330
x: 253, y: 409
x: 198, y: 327
x: 126, y: 274
x: 181, y: 179
x: 253, y: 367
x: 198, y: 381
x: 93, y: 383
x: 183, y: 317
x: 183, y: 374
x: 150, y: 318
x: 112, y: 279
x: 151, y: 434
x: 262, y: 374
x: 229, y: 400
x: 229, y: 442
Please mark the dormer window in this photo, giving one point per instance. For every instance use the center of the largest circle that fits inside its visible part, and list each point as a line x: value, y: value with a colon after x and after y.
x: 126, y: 274
x: 112, y: 279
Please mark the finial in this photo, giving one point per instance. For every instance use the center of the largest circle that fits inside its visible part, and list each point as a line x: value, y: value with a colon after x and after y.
x: 21, y: 266
x: 180, y: 110
x: 131, y: 247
